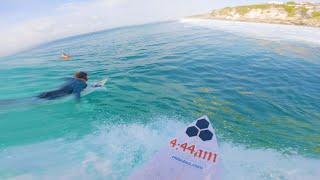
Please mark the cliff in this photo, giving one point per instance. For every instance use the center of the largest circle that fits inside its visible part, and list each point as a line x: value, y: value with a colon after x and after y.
x: 306, y: 14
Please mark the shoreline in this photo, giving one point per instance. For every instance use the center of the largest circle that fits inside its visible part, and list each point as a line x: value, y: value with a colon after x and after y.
x: 259, y: 30
x: 256, y: 20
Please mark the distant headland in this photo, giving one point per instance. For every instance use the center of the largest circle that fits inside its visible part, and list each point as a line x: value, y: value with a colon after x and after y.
x: 292, y: 13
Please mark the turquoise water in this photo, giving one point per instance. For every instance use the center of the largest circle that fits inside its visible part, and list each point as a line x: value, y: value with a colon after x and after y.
x: 262, y: 97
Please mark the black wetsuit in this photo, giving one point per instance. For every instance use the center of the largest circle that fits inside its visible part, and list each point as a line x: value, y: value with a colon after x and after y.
x: 72, y: 86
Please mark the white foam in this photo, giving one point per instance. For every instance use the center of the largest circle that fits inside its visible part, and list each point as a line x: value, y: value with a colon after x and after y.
x: 241, y: 163
x: 275, y: 32
x: 115, y: 150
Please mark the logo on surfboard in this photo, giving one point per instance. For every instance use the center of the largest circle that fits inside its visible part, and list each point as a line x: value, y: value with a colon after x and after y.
x: 201, y: 130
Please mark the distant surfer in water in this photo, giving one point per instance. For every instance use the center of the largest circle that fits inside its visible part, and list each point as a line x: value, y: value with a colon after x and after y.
x: 73, y: 86
x: 65, y: 56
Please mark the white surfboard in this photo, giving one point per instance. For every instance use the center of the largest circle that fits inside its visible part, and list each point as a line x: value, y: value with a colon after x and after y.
x: 95, y: 86
x: 192, y: 154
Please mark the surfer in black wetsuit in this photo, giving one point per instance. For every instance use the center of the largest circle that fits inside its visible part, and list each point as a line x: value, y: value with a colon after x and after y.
x: 72, y: 86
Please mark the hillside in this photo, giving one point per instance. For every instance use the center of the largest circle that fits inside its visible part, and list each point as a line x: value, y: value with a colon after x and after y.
x: 306, y: 14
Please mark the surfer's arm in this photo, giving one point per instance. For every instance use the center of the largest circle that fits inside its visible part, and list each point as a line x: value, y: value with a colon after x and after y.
x: 77, y: 93
x: 77, y: 90
x: 77, y: 96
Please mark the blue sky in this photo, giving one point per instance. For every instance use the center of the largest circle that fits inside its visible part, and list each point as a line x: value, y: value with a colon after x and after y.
x: 26, y: 23
x: 14, y: 11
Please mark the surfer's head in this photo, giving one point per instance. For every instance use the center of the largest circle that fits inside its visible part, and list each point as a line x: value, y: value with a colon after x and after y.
x: 81, y: 75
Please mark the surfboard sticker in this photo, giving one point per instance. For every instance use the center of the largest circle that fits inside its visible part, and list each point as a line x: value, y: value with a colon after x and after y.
x: 192, y: 154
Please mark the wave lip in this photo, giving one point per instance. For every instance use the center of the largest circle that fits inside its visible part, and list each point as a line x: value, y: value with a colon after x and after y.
x: 243, y: 163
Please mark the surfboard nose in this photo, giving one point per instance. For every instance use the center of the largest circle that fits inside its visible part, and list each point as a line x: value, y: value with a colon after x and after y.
x: 191, y: 154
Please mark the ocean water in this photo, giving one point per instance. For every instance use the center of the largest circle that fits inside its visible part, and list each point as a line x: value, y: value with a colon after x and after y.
x: 260, y: 89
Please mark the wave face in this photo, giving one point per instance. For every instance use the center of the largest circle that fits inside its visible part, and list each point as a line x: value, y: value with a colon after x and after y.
x: 262, y: 95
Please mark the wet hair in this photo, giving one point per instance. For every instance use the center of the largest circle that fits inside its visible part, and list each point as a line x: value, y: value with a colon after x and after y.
x: 81, y: 75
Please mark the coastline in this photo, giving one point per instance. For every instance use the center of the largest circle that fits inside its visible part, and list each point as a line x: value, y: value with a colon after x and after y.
x: 253, y: 20
x: 259, y: 30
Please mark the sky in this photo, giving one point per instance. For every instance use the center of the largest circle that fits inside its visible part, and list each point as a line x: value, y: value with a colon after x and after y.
x: 27, y: 23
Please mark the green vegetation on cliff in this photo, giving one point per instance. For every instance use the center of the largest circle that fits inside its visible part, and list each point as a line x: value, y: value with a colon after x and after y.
x: 291, y: 8
x: 307, y: 14
x: 316, y: 15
